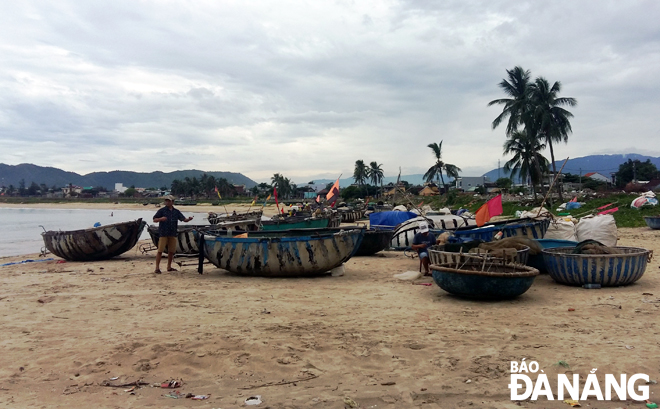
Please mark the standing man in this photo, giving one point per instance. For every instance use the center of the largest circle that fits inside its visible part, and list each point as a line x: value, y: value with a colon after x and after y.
x: 168, y: 218
x: 421, y: 242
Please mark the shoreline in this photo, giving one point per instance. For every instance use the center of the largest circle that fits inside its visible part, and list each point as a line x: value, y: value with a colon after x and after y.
x: 269, y: 210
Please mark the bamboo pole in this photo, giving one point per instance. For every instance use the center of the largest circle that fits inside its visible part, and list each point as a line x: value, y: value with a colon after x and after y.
x: 550, y: 188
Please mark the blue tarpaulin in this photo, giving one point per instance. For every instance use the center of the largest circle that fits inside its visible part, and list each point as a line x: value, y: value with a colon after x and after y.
x: 390, y: 219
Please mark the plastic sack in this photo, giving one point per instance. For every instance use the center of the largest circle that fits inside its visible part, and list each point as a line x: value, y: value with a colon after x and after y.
x: 601, y: 228
x: 408, y: 275
x: 561, y: 229
x: 337, y: 271
x: 573, y: 205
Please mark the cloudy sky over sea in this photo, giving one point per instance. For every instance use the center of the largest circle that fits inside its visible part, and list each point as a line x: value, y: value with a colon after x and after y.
x: 305, y: 88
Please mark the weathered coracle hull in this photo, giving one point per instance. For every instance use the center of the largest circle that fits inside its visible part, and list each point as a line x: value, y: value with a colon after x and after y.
x: 536, y: 260
x: 215, y: 218
x: 604, y: 269
x: 438, y: 256
x: 405, y: 232
x: 295, y: 223
x: 98, y: 243
x: 374, y: 241
x: 530, y: 228
x: 284, y: 254
x: 509, y: 281
x: 350, y: 216
x: 653, y: 222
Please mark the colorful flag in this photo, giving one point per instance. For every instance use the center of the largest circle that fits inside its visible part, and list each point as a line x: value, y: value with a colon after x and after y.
x: 318, y: 198
x: 254, y: 201
x: 333, y: 194
x: 276, y: 202
x: 218, y: 192
x: 266, y: 201
x: 491, y: 208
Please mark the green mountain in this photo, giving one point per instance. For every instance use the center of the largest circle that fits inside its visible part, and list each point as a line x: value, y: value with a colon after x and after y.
x: 13, y: 174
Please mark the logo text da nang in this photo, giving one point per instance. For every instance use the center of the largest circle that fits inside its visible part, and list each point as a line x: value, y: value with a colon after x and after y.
x: 523, y: 387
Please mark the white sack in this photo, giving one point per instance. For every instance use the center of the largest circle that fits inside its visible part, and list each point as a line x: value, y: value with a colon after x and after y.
x: 601, y: 228
x: 561, y: 229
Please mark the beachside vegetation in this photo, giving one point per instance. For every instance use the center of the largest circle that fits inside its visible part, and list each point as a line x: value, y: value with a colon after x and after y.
x: 537, y: 109
x: 435, y: 171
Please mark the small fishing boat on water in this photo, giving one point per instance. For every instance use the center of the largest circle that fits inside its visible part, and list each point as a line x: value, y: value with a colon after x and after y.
x: 97, y: 243
x: 282, y: 254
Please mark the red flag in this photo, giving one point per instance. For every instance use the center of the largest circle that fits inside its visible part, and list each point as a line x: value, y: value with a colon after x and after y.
x: 318, y: 198
x: 333, y: 194
x: 276, y: 202
x: 491, y: 208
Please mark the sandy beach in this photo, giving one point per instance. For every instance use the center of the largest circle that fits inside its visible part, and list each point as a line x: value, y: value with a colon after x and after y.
x: 71, y: 328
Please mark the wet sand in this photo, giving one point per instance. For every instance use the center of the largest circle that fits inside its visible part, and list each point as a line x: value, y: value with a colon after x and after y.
x: 307, y: 342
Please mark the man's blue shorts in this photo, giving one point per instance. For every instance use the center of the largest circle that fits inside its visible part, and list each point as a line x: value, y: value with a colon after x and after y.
x: 423, y: 254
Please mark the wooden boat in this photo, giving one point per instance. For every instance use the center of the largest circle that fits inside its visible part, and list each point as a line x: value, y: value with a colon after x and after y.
x: 97, y: 243
x: 350, y: 216
x: 531, y: 228
x: 215, y: 218
x: 374, y: 241
x: 294, y: 222
x: 652, y: 221
x: 470, y: 280
x: 187, y: 236
x: 282, y: 254
x: 604, y: 269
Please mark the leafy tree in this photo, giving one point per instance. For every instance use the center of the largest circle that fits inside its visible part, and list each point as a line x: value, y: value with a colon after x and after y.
x: 33, y: 189
x: 504, y: 183
x: 21, y: 187
x: 43, y: 188
x: 130, y: 192
x: 527, y: 158
x: 283, y: 185
x: 643, y: 170
x: 360, y: 173
x: 440, y: 166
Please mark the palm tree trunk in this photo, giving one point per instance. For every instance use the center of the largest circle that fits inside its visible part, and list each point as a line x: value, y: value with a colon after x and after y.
x: 554, y: 171
x: 443, y: 182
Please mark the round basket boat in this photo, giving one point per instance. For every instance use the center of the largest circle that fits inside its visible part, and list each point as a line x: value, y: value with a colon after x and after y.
x: 502, y: 282
x: 652, y: 221
x: 603, y: 269
x: 438, y: 256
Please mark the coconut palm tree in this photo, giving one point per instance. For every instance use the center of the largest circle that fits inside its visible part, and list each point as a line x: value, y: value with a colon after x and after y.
x: 519, y: 108
x: 553, y: 121
x: 376, y: 174
x: 436, y: 170
x: 527, y: 161
x: 361, y: 173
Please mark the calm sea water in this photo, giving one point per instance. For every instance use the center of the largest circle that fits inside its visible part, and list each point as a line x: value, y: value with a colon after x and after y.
x: 20, y: 231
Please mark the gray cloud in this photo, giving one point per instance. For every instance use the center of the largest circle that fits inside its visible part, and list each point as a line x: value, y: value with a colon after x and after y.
x: 307, y: 89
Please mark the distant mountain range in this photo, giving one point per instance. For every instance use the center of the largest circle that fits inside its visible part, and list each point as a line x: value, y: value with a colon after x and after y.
x: 13, y: 174
x: 603, y: 164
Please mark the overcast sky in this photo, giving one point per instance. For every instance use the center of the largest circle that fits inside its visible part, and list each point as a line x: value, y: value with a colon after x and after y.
x: 305, y: 88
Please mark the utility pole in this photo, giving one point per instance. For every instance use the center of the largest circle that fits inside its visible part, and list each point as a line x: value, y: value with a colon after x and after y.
x: 580, y: 178
x: 498, y: 168
x: 634, y: 172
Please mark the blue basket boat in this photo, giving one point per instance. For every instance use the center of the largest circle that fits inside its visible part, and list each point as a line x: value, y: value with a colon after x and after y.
x: 530, y: 228
x: 536, y: 260
x: 503, y: 282
x: 653, y: 222
x: 604, y: 269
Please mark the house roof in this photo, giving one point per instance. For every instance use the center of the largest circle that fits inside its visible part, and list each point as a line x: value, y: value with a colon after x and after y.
x: 589, y: 174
